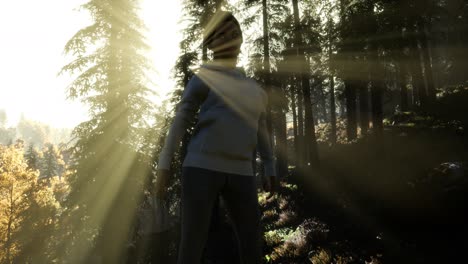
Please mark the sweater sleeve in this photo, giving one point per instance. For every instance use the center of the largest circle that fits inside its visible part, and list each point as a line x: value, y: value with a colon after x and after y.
x: 194, y: 94
x: 264, y: 147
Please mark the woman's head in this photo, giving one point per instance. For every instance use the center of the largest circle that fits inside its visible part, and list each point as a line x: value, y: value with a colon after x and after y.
x: 223, y: 35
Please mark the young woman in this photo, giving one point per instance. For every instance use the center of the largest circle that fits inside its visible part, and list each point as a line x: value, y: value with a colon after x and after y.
x: 231, y: 125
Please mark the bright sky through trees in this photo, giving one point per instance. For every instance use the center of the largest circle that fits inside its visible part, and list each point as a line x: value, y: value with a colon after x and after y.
x: 34, y: 34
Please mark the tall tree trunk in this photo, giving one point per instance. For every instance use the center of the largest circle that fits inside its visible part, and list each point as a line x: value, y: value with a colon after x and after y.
x: 455, y: 40
x: 403, y: 72
x: 266, y: 48
x: 349, y: 80
x: 322, y: 99
x: 266, y: 70
x: 300, y: 125
x: 114, y: 230
x: 414, y: 90
x: 416, y: 69
x: 295, y: 124
x: 332, y: 111
x: 301, y: 148
x: 332, y: 91
x: 350, y: 95
x: 364, y: 106
x: 281, y: 149
x: 315, y: 102
x: 431, y: 92
x: 377, y: 81
x: 402, y: 84
x: 309, y: 125
x: 377, y: 113
x: 310, y: 141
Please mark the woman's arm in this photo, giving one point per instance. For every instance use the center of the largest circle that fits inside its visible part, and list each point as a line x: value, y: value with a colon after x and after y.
x: 193, y: 96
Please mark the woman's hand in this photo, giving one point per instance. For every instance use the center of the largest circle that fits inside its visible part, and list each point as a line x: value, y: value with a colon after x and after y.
x: 162, y: 181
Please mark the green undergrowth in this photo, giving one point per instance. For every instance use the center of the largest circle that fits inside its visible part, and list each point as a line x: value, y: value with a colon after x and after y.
x: 369, y: 203
x: 293, y: 235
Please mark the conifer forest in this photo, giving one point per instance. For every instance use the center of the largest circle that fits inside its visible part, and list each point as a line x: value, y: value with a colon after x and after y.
x: 367, y: 117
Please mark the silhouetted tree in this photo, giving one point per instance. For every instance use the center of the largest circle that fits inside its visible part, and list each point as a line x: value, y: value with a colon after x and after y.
x: 109, y: 65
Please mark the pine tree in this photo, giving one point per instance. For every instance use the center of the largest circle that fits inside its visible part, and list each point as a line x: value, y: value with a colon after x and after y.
x: 266, y: 49
x: 110, y: 66
x: 32, y: 157
x: 310, y: 142
x: 51, y: 163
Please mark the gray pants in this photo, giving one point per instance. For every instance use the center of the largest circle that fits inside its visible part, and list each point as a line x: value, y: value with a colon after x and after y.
x: 200, y: 190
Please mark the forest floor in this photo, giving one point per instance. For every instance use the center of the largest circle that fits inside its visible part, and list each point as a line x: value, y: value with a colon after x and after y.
x: 301, y: 228
x: 403, y: 202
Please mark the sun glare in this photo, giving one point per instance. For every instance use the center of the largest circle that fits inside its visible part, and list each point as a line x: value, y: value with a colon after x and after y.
x: 32, y: 46
x: 163, y: 35
x: 31, y: 50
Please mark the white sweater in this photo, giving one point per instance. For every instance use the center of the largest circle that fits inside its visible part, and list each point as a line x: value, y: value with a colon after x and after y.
x: 230, y: 124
